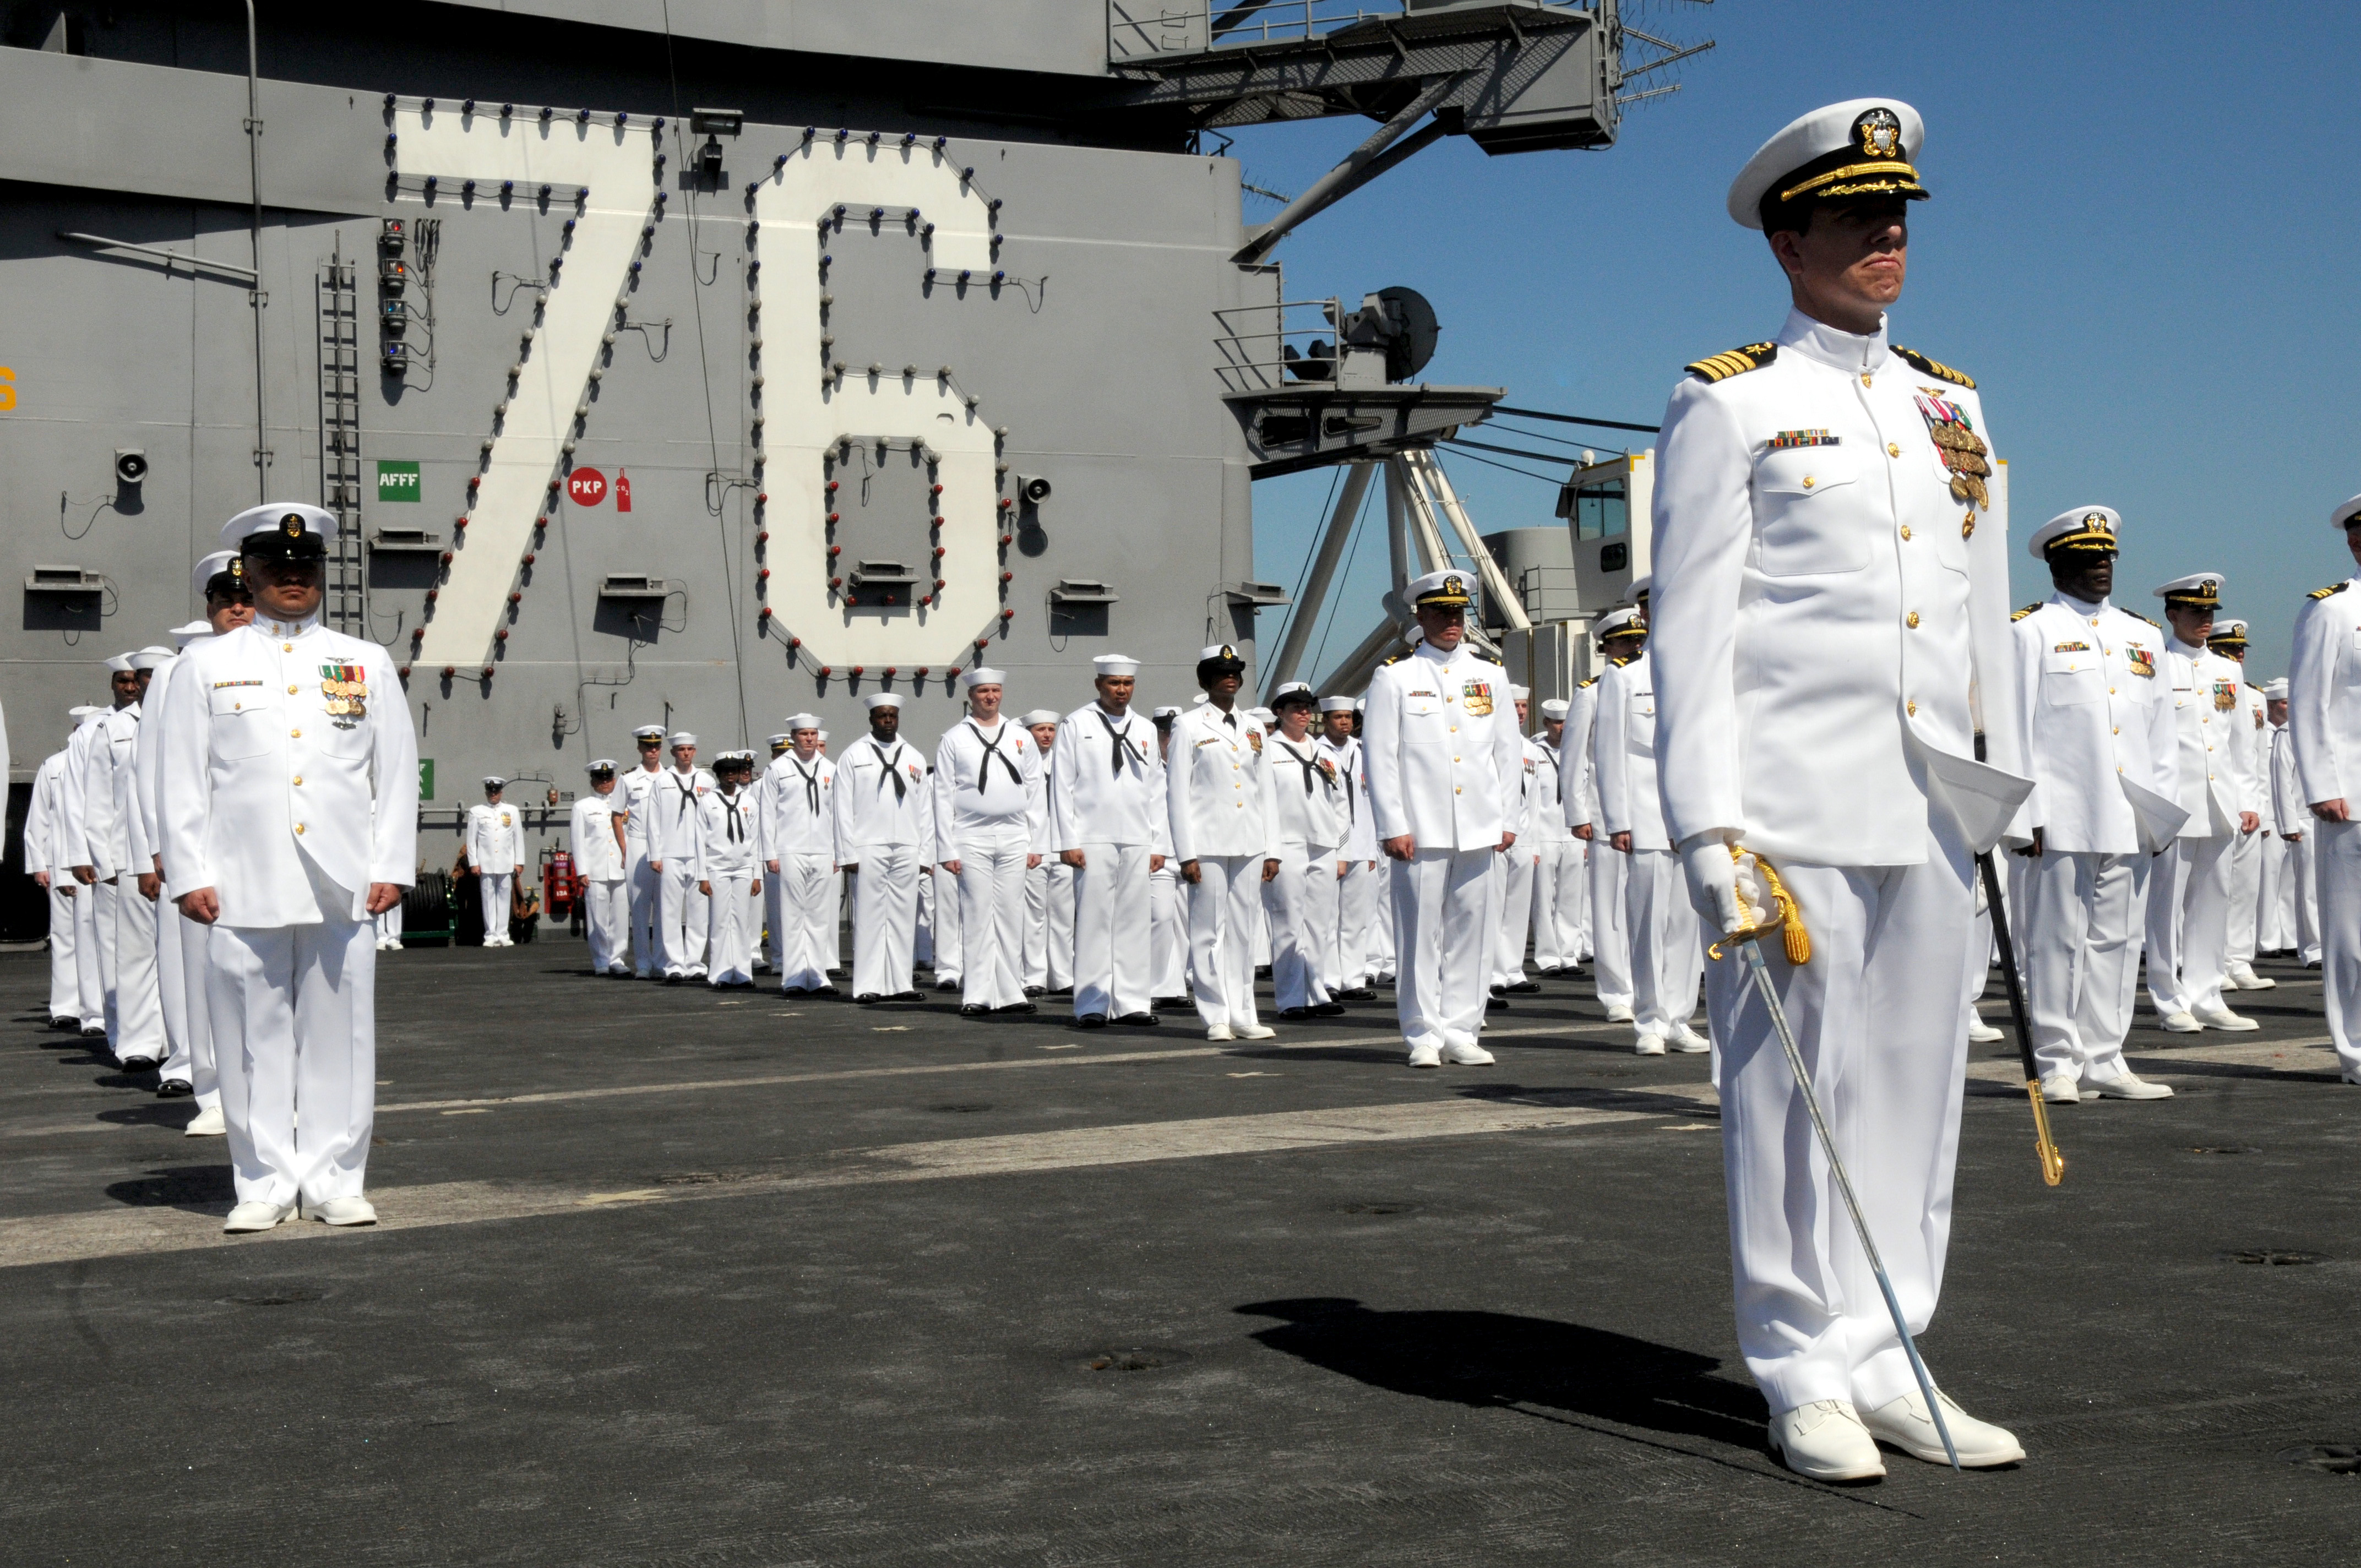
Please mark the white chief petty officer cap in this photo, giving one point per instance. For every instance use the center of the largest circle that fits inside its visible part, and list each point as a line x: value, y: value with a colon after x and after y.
x: 1863, y: 146
x: 493, y: 781
x: 2076, y: 527
x: 603, y: 765
x: 295, y: 529
x: 195, y: 628
x: 648, y: 732
x: 213, y: 567
x: 982, y: 677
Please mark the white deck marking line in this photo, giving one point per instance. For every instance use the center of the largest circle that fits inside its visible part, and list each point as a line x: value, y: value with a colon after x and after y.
x: 128, y: 1232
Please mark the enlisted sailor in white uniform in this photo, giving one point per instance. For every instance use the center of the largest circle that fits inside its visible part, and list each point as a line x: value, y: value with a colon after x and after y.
x: 495, y: 848
x: 766, y: 955
x: 1168, y: 907
x: 1306, y: 826
x: 91, y: 831
x: 682, y: 919
x: 1622, y: 634
x: 729, y: 870
x: 2229, y: 641
x: 1220, y: 831
x: 1050, y: 885
x: 90, y: 964
x: 1107, y: 820
x: 799, y: 853
x: 141, y: 1034
x: 2189, y: 890
x: 596, y: 837
x: 885, y: 816
x: 188, y: 1069
x: 1356, y: 859
x: 1444, y: 760
x: 289, y: 816
x: 1829, y: 586
x: 987, y: 779
x: 1513, y: 872
x: 2095, y: 700
x: 2324, y: 726
x: 2291, y: 909
x: 635, y: 804
x: 1558, y: 869
x: 54, y: 875
x: 1661, y: 923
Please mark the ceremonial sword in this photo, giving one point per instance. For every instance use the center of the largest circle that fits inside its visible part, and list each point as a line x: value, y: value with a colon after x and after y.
x: 2044, y: 1148
x: 1785, y: 916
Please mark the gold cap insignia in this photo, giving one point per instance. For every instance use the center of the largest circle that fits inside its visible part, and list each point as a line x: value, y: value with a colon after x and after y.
x: 1454, y: 585
x: 293, y: 525
x: 1880, y: 131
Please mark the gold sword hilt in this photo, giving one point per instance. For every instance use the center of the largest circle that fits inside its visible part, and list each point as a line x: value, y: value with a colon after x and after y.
x: 1785, y: 916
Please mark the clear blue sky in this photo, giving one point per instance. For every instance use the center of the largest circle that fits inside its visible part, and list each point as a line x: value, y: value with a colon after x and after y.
x: 2143, y: 244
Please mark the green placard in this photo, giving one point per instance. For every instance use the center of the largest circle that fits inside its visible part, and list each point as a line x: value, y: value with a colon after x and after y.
x: 426, y: 778
x: 397, y: 481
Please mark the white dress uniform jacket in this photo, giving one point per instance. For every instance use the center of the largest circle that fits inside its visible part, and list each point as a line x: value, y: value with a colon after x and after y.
x: 2218, y: 772
x: 1442, y: 748
x: 598, y: 861
x: 634, y: 797
x: 2095, y: 703
x: 2324, y: 725
x: 495, y: 841
x: 1214, y: 780
x: 1629, y: 801
x: 42, y: 837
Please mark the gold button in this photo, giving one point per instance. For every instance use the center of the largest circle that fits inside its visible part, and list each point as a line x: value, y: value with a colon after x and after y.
x: 1455, y: 730
x: 2119, y: 729
x: 2111, y: 691
x: 1905, y: 530
x: 1808, y: 481
x: 297, y: 734
x: 2119, y: 767
x: 299, y: 778
x: 1911, y: 620
x: 299, y: 827
x: 1864, y: 378
x: 290, y: 691
x: 1893, y: 449
x: 235, y: 705
x: 1909, y: 707
x: 1455, y: 788
x: 287, y: 647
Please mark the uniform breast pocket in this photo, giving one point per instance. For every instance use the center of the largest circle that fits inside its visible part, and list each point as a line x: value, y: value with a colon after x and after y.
x: 1423, y: 719
x: 243, y: 724
x: 342, y: 740
x: 2070, y: 683
x: 1808, y: 517
x: 1640, y: 725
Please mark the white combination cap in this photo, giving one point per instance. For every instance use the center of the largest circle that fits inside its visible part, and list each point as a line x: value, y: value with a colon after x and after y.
x: 1263, y: 714
x: 1556, y: 707
x: 603, y: 765
x: 83, y: 710
x: 1863, y: 146
x: 1041, y: 716
x: 1624, y: 622
x: 982, y: 677
x: 778, y: 743
x: 149, y: 658
x: 214, y: 565
x: 802, y: 721
x: 1446, y: 589
x: 1116, y: 664
x: 2229, y: 629
x: 1641, y: 585
x: 295, y: 530
x: 1289, y: 688
x: 1336, y: 705
x: 195, y: 628
x: 2077, y: 528
x: 876, y: 700
x: 2345, y: 513
x: 493, y: 781
x: 683, y: 738
x: 648, y: 732
x: 1162, y: 714
x: 2198, y: 590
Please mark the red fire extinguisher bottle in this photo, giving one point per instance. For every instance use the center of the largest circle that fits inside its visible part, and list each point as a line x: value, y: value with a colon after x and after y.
x: 622, y: 491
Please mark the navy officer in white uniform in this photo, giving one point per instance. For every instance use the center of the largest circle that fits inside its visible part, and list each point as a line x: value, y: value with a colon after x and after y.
x: 1829, y: 587
x: 290, y: 820
x: 2324, y: 726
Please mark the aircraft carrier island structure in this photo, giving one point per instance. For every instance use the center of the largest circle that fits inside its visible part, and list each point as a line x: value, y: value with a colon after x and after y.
x: 700, y: 364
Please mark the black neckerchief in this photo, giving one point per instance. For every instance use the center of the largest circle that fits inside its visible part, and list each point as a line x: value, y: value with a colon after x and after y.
x: 688, y: 791
x: 1352, y: 796
x: 885, y: 760
x: 1121, y: 738
x: 1310, y: 769
x: 811, y: 785
x: 991, y: 754
x: 729, y: 814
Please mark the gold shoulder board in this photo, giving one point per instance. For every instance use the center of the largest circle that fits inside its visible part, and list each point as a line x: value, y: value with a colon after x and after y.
x: 2324, y: 593
x: 2137, y: 616
x: 1736, y: 362
x: 1396, y: 658
x: 1936, y: 367
x: 2028, y: 610
x: 1488, y: 658
x: 1585, y: 681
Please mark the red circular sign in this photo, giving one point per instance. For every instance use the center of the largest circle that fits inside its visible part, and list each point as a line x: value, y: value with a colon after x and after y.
x: 587, y: 486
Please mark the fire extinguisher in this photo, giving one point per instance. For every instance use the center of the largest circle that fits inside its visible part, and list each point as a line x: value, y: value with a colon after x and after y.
x: 622, y: 491
x: 558, y: 883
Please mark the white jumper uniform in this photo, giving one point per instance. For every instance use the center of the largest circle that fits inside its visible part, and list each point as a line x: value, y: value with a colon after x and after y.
x: 598, y: 862
x: 799, y: 817
x: 2291, y: 916
x: 1514, y: 872
x: 1347, y: 969
x: 1215, y: 782
x: 681, y: 916
x: 1107, y: 799
x: 1443, y: 756
x: 727, y: 859
x: 884, y: 814
x: 2095, y: 700
x: 1049, y: 902
x: 643, y: 885
x: 1306, y: 792
x: 289, y: 785
x: 1560, y: 867
x: 987, y: 779
x: 180, y: 941
x: 2246, y: 855
x: 2324, y: 726
x: 1610, y: 873
x: 91, y: 933
x: 1821, y: 609
x: 41, y: 840
x: 1666, y: 958
x: 2189, y: 887
x: 495, y: 847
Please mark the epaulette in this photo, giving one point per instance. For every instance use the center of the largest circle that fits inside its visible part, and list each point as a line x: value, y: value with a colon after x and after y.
x: 1488, y: 658
x: 2137, y: 616
x: 1584, y: 682
x: 1737, y: 362
x: 1936, y: 367
x: 1395, y: 660
x: 2330, y: 589
x: 2028, y: 610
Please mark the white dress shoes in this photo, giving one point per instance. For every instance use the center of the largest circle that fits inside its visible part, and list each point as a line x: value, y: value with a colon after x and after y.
x: 256, y: 1216
x: 1253, y: 1032
x: 1620, y: 1013
x: 1904, y: 1423
x: 1426, y: 1056
x: 208, y: 1124
x: 1826, y: 1441
x: 1219, y: 1032
x: 2061, y: 1089
x: 1467, y: 1053
x: 354, y: 1210
x: 1688, y: 1041
x: 1649, y: 1046
x: 2247, y: 979
x: 2181, y: 1023
x: 2131, y: 1086
x: 2222, y: 1018
x: 1982, y: 1033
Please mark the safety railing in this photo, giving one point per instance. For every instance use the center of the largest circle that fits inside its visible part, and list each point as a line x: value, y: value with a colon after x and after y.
x: 1137, y: 28
x: 1292, y: 343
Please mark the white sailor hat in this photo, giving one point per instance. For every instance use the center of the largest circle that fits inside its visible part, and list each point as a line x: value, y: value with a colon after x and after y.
x: 1224, y: 659
x: 1444, y: 588
x: 1360, y: 705
x: 120, y: 663
x: 1116, y: 664
x: 732, y: 758
x: 603, y: 765
x: 290, y: 531
x: 648, y: 732
x: 2198, y: 590
x: 982, y: 675
x: 149, y: 658
x: 1519, y: 693
x: 1624, y: 622
x: 1196, y: 699
x: 1264, y: 714
x: 1640, y: 586
x: 219, y: 564
x: 876, y: 700
x: 1863, y: 146
x: 83, y: 710
x: 195, y: 628
x: 2077, y: 528
x: 2231, y: 630
x: 1556, y: 707
x: 802, y: 721
x: 683, y: 738
x: 1336, y: 705
x: 2344, y: 515
x: 823, y: 737
x: 2276, y: 691
x: 494, y: 781
x: 1041, y: 716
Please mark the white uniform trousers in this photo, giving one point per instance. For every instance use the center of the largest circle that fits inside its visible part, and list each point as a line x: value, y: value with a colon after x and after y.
x: 1975, y: 966
x: 885, y: 919
x: 1300, y: 910
x: 197, y: 1008
x: 494, y: 891
x: 172, y: 991
x: 680, y: 923
x: 1049, y: 910
x: 65, y: 977
x: 2274, y: 912
x: 2304, y: 857
x: 731, y: 911
x: 643, y: 885
x: 1168, y: 922
x: 1378, y: 936
x: 1557, y: 903
x: 2079, y: 944
x: 89, y: 982
x: 805, y: 935
x: 1515, y: 924
x: 992, y: 921
x: 2336, y: 855
x: 1261, y: 937
x: 936, y: 934
x: 1221, y: 905
x: 138, y: 999
x: 1356, y: 897
x: 1610, y: 936
x: 774, y: 920
x: 2245, y: 895
x: 1876, y: 1015
x: 104, y: 898
x: 1112, y: 954
x: 1444, y: 949
x: 606, y: 909
x: 295, y: 1015
x: 1665, y: 952
x: 2188, y: 924
x: 389, y: 928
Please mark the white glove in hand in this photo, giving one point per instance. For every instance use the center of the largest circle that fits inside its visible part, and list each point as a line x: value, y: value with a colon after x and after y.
x: 1713, y: 883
